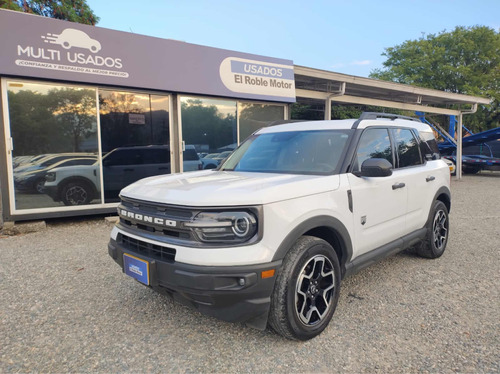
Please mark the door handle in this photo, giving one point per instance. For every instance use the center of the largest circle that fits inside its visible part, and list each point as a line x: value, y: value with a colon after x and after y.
x: 430, y: 179
x: 398, y: 185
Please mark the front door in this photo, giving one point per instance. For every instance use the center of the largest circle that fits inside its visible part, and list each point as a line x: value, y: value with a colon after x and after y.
x: 379, y: 203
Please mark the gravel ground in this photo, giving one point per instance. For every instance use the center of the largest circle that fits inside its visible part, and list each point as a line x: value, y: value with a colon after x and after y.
x: 67, y: 307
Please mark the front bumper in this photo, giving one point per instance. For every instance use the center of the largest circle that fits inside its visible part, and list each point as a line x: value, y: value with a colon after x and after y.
x: 229, y: 293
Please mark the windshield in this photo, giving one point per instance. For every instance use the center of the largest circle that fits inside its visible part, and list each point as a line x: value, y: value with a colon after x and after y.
x: 294, y: 152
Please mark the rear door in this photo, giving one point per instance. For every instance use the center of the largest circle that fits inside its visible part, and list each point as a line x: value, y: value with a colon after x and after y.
x: 418, y: 175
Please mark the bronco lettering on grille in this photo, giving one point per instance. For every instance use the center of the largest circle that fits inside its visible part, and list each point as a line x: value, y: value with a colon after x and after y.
x: 150, y: 219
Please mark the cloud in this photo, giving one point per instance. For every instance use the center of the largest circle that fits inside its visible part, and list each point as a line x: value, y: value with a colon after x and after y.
x: 338, y: 65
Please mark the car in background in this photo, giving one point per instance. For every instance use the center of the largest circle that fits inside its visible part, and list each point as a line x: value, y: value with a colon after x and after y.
x: 473, y: 164
x: 37, y: 162
x: 33, y: 181
x: 212, y: 160
x: 451, y: 166
x: 121, y: 167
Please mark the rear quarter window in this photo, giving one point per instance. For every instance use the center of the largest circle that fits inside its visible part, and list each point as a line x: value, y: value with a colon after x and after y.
x: 429, y: 143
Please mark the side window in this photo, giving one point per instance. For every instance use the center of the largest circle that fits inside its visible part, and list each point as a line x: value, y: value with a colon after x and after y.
x: 374, y: 143
x: 190, y: 155
x: 156, y: 156
x: 407, y: 148
x: 429, y: 144
x: 122, y: 157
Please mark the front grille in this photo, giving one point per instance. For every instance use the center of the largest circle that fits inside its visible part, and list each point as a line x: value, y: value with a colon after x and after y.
x: 136, y: 210
x: 147, y: 249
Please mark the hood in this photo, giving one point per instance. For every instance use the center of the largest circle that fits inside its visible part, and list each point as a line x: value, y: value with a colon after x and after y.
x: 228, y: 188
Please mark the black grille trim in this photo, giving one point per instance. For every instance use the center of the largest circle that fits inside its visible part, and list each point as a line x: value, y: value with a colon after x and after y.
x: 147, y: 249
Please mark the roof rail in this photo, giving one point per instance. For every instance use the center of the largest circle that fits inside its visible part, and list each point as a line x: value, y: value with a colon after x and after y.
x: 375, y: 115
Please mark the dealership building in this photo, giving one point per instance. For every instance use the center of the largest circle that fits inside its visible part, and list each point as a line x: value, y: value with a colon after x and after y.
x: 85, y: 110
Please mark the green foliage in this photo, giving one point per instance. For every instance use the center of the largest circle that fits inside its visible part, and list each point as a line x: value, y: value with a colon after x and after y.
x: 465, y: 61
x: 307, y: 112
x: 58, y: 121
x: 204, y: 124
x: 68, y: 10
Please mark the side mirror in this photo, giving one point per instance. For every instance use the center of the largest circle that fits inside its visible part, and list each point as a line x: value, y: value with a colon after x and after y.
x: 376, y: 167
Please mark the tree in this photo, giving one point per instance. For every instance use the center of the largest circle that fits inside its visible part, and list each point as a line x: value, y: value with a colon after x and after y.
x: 465, y: 61
x: 68, y: 10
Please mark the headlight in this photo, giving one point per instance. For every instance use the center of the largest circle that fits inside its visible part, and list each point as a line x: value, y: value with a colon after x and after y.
x: 50, y: 177
x: 233, y: 227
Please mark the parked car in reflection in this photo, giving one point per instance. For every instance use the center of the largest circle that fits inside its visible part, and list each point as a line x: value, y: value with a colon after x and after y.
x: 32, y: 181
x: 44, y: 161
x: 121, y: 167
x: 212, y: 160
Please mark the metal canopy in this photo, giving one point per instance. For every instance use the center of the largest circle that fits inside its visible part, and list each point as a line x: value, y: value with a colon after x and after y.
x: 313, y: 85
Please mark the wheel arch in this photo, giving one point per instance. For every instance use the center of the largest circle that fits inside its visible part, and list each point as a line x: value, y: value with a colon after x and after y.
x: 444, y: 195
x: 327, y: 228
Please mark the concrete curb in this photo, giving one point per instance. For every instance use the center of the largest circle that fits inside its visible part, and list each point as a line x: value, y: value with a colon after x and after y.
x: 12, y: 228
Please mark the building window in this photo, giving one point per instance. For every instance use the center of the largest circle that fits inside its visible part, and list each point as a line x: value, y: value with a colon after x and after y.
x: 254, y: 116
x: 135, y: 138
x: 209, y: 127
x: 54, y: 133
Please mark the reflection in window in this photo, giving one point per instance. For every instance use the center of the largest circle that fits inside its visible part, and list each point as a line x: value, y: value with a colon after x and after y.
x: 374, y: 143
x: 294, y: 152
x: 407, y: 148
x: 208, y: 128
x: 135, y: 138
x: 255, y: 116
x: 54, y: 131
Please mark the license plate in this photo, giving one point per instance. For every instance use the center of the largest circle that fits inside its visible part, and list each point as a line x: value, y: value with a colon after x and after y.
x: 136, y: 268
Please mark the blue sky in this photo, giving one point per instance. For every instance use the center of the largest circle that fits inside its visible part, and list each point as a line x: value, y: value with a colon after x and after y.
x: 342, y: 36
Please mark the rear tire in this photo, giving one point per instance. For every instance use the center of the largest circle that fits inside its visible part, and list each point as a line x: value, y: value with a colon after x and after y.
x: 76, y: 193
x: 436, y: 239
x: 306, y: 291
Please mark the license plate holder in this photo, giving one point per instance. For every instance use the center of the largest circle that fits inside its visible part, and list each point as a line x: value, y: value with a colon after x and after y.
x: 136, y: 268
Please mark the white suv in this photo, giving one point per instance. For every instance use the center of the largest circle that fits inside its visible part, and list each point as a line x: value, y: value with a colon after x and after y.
x: 268, y: 236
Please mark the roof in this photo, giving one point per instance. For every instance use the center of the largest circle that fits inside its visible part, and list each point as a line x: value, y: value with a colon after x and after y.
x: 344, y: 124
x: 315, y: 84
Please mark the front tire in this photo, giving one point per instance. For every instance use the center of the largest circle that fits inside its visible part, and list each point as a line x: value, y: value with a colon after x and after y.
x: 438, y: 227
x: 39, y: 186
x: 306, y: 291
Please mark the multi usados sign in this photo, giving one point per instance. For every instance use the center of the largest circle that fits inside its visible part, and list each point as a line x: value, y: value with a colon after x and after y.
x: 74, y: 51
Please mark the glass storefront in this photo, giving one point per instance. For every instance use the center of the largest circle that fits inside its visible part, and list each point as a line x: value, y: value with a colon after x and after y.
x: 214, y: 128
x: 56, y: 132
x: 209, y: 128
x: 53, y: 127
x: 255, y: 116
x: 69, y: 140
x: 134, y: 137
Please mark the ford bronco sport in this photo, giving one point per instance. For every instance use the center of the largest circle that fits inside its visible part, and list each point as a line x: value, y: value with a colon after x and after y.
x: 268, y: 236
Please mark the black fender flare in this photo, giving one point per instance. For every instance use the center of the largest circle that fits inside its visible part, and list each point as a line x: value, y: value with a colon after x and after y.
x: 328, y: 222
x: 444, y: 191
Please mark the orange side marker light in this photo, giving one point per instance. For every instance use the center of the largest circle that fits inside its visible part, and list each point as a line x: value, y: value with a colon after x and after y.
x: 267, y: 273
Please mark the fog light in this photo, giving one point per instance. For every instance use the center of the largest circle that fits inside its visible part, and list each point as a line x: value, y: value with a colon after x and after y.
x: 241, y: 281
